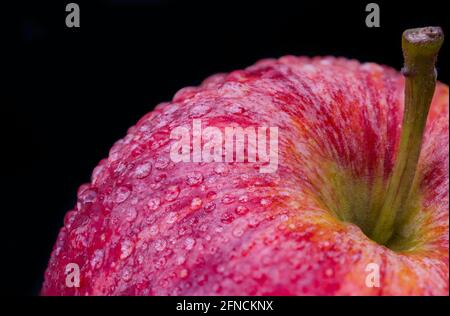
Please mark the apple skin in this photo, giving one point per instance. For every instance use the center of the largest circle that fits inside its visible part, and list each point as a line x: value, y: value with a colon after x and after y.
x: 135, y: 230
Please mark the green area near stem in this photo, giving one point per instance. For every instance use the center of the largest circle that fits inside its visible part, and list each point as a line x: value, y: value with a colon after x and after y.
x: 387, y: 210
x: 359, y: 200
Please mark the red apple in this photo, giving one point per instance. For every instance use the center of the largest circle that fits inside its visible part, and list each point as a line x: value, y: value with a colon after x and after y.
x: 146, y: 225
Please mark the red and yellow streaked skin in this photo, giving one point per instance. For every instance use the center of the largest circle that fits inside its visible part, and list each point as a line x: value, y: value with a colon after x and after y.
x: 136, y: 230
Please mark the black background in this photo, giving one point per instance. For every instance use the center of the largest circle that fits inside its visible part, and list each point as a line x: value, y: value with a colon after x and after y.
x: 72, y: 92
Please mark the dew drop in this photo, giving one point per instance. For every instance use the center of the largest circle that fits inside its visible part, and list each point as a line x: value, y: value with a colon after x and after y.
x: 140, y: 259
x: 227, y: 218
x: 153, y: 203
x: 211, y: 195
x: 241, y: 210
x: 121, y: 194
x: 209, y: 207
x: 154, y: 229
x: 161, y: 162
x: 160, y: 263
x: 171, y: 218
x: 182, y: 231
x: 97, y: 259
x: 244, y: 176
x: 160, y: 245
x: 265, y: 202
x: 194, y: 178
x: 180, y: 260
x: 126, y: 248
x: 130, y: 214
x: 121, y: 168
x: 87, y: 196
x: 143, y: 170
x: 189, y: 243
x: 196, y: 203
x: 126, y: 274
x: 172, y: 193
x: 227, y: 199
x: 135, y: 200
x: 155, y: 186
x: 243, y: 198
x: 160, y: 177
x: 253, y: 222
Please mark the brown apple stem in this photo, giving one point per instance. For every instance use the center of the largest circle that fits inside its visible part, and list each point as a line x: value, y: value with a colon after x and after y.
x: 420, y: 50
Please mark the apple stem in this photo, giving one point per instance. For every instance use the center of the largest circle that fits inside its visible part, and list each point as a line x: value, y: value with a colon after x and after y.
x: 420, y: 49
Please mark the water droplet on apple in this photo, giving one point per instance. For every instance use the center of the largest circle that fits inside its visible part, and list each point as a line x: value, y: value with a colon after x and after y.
x: 243, y: 198
x: 253, y: 222
x: 162, y: 162
x: 87, y: 196
x: 211, y: 195
x: 160, y: 177
x: 160, y: 244
x: 143, y: 170
x: 227, y: 199
x: 241, y: 210
x: 121, y: 194
x: 171, y: 218
x: 172, y: 193
x: 227, y: 218
x: 126, y: 248
x: 196, y: 203
x: 97, y: 259
x: 194, y: 178
x: 127, y: 274
x: 121, y: 168
x: 153, y: 203
x: 189, y: 243
x: 130, y: 214
x: 209, y: 207
x: 160, y: 263
x: 154, y: 229
x: 180, y: 260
